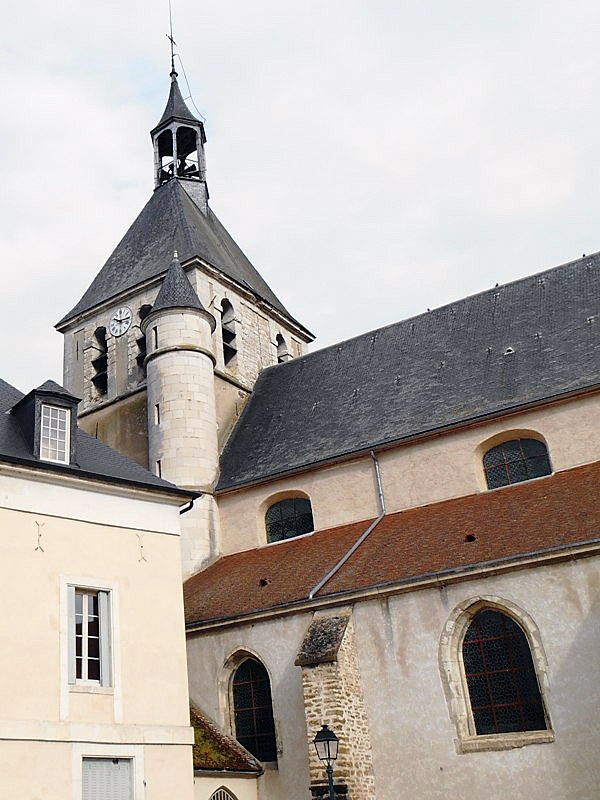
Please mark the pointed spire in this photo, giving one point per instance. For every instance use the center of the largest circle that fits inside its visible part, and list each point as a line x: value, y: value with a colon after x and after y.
x: 176, y: 107
x: 177, y: 292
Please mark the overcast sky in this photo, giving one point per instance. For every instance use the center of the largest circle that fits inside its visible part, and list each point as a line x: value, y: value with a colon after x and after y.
x: 372, y: 157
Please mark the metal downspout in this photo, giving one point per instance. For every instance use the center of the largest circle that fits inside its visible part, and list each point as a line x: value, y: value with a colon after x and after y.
x: 190, y: 505
x: 360, y: 539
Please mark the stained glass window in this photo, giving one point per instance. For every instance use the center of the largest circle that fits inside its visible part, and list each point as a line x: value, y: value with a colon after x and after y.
x: 515, y: 461
x: 503, y: 688
x: 289, y: 518
x: 253, y: 710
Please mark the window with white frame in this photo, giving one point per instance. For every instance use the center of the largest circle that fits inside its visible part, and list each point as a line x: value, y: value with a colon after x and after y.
x: 54, y: 434
x: 89, y: 636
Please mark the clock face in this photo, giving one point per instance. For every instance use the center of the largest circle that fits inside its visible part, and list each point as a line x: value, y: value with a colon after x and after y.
x: 120, y: 321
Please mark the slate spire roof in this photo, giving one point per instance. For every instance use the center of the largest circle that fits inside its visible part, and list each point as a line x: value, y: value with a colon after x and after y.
x: 176, y: 290
x: 176, y: 107
x: 170, y: 221
x: 513, y: 345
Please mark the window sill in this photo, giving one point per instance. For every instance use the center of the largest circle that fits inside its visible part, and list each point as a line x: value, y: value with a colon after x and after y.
x: 90, y: 688
x: 503, y: 741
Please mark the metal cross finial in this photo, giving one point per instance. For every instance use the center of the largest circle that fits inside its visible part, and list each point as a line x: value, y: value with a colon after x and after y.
x: 173, y: 42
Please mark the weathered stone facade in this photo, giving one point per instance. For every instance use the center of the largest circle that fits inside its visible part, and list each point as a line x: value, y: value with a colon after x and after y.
x: 333, y: 695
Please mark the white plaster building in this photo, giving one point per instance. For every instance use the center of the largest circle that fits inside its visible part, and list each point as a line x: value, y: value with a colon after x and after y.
x: 87, y: 536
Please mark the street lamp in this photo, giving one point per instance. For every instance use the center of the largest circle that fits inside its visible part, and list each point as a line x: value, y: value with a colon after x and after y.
x: 326, y: 744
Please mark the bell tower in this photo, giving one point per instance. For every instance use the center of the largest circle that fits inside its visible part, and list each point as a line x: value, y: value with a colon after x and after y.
x: 165, y: 357
x: 178, y: 141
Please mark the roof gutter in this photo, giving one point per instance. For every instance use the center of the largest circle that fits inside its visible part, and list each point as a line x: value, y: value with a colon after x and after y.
x: 361, y: 538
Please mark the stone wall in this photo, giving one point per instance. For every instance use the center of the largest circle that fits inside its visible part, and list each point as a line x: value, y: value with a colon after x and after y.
x: 333, y: 695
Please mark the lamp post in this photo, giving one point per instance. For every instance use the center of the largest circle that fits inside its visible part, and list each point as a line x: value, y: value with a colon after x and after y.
x: 326, y: 744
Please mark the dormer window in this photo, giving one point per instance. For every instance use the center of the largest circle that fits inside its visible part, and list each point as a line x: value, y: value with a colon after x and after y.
x: 54, y: 434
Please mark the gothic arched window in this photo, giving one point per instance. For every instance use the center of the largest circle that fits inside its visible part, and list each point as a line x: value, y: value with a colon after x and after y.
x: 503, y: 688
x: 515, y: 461
x: 222, y: 794
x: 289, y: 518
x: 253, y: 710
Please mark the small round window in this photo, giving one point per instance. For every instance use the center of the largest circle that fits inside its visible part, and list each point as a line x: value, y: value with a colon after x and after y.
x: 289, y: 518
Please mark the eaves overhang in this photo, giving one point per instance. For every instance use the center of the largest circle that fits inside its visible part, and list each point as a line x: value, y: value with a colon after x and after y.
x: 50, y: 469
x: 388, y: 444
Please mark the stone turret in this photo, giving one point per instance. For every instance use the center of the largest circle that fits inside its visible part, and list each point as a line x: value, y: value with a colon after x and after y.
x: 182, y: 419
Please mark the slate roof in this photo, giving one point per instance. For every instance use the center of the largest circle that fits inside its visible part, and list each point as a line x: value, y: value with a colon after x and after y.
x: 170, y: 221
x: 176, y: 290
x: 176, y: 107
x: 509, y: 524
x: 55, y: 388
x: 94, y: 458
x: 214, y: 751
x: 515, y: 344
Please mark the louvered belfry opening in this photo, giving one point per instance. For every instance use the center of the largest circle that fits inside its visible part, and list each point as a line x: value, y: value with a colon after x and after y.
x: 100, y: 361
x: 503, y: 688
x: 515, y: 461
x: 228, y: 333
x: 253, y: 709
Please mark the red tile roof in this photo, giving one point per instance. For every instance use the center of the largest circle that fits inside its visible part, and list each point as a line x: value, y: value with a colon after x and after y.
x: 509, y: 523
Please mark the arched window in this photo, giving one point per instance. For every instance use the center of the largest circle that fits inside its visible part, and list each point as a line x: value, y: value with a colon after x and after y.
x: 187, y: 153
x: 253, y: 710
x: 228, y: 332
x: 503, y: 689
x: 515, y: 461
x: 289, y: 518
x: 222, y: 794
x: 166, y: 168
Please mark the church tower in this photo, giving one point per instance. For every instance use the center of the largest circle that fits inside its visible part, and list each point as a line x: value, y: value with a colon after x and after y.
x: 217, y: 323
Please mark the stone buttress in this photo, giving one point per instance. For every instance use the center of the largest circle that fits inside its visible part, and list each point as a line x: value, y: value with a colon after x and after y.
x: 333, y: 695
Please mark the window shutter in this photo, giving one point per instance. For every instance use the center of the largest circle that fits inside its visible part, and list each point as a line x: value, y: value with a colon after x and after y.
x: 71, y: 632
x: 105, y: 639
x: 107, y: 779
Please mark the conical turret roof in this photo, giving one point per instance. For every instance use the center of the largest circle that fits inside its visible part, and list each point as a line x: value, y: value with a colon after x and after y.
x: 177, y: 292
x: 176, y: 107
